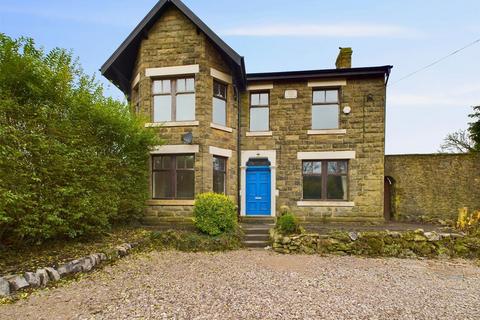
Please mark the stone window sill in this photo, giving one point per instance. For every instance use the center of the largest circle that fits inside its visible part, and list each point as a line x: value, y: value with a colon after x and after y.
x: 154, y: 202
x: 220, y: 127
x: 259, y: 133
x: 327, y: 131
x: 172, y: 124
x: 307, y: 203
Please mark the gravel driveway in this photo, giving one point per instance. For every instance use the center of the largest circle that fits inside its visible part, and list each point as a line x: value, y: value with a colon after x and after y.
x: 262, y: 285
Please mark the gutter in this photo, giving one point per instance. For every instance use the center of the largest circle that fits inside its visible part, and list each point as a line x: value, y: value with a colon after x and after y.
x: 239, y: 154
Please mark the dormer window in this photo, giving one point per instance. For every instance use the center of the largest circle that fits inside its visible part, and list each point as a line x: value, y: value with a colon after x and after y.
x: 174, y: 100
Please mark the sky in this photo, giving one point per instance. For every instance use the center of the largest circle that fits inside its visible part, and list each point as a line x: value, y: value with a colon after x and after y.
x: 282, y: 35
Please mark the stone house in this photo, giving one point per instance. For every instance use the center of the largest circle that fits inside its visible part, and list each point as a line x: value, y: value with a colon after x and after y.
x: 309, y: 140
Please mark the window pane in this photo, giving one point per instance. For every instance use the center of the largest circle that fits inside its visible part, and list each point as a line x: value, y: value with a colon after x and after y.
x: 220, y: 90
x: 337, y: 187
x: 255, y: 99
x: 185, y: 162
x: 219, y: 111
x: 185, y: 184
x: 259, y: 119
x: 325, y: 117
x: 312, y: 167
x: 312, y: 187
x: 331, y: 96
x: 163, y: 162
x: 162, y: 108
x: 181, y: 85
x: 161, y: 86
x: 332, y: 167
x: 185, y: 107
x: 307, y: 167
x: 264, y: 99
x: 219, y: 164
x: 318, y: 96
x: 162, y: 187
x: 218, y: 182
x: 342, y: 167
x: 190, y: 85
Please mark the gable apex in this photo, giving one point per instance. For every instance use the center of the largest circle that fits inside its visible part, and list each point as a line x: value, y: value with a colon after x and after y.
x: 119, y: 67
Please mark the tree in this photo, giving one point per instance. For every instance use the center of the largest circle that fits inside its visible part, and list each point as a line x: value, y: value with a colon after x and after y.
x: 464, y: 141
x: 457, y: 142
x: 72, y: 161
x: 474, y: 128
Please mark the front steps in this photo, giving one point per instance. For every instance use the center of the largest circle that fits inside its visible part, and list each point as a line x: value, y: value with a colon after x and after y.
x: 256, y: 231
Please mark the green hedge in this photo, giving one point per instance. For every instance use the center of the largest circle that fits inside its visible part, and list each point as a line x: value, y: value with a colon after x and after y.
x: 215, y: 214
x: 72, y: 161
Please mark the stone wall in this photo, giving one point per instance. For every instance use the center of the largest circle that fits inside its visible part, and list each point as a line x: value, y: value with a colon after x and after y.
x: 408, y: 244
x: 434, y: 186
x: 175, y: 41
x: 290, y: 119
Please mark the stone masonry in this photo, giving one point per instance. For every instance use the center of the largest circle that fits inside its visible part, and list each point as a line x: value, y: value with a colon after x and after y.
x: 175, y: 38
x: 433, y: 186
x: 290, y: 119
x: 174, y: 41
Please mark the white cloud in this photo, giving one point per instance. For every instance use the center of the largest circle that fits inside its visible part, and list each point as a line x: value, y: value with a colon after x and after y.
x: 453, y: 98
x: 322, y: 30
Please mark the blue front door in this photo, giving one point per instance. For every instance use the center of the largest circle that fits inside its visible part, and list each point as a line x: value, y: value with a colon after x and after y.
x: 258, y: 191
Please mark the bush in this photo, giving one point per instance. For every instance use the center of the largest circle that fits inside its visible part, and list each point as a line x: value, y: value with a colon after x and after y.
x: 288, y: 224
x: 215, y: 214
x: 72, y: 162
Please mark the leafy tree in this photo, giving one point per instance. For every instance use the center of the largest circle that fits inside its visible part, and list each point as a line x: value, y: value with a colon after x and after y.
x: 72, y: 162
x: 474, y: 128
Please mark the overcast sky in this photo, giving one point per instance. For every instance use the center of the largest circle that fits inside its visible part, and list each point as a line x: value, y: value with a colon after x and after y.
x: 280, y: 35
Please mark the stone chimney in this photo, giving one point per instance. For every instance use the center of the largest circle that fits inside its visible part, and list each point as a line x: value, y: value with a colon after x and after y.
x: 344, y: 59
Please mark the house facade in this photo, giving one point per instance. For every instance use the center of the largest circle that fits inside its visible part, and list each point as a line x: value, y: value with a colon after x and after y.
x: 312, y: 141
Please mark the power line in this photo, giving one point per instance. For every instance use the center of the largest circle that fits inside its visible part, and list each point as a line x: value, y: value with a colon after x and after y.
x: 436, y: 61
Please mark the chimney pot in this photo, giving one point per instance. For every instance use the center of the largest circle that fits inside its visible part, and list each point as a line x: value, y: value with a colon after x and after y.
x: 344, y: 59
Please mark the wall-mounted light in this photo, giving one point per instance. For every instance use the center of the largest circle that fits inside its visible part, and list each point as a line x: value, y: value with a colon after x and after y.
x: 347, y: 109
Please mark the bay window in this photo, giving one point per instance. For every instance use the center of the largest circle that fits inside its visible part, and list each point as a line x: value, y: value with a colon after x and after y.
x: 173, y: 100
x: 219, y: 174
x: 173, y: 176
x: 219, y: 103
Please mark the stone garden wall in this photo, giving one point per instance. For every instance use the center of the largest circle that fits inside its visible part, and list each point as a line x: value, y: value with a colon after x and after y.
x: 433, y: 187
x: 384, y: 243
x: 10, y: 284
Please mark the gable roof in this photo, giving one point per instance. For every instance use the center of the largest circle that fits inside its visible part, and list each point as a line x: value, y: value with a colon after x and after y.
x: 119, y: 67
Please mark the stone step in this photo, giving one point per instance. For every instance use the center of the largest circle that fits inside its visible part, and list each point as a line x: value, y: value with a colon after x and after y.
x: 256, y: 236
x: 257, y: 220
x: 248, y: 227
x: 255, y: 243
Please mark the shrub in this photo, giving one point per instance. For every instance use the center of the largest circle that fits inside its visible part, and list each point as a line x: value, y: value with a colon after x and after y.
x: 72, y: 162
x: 288, y: 224
x: 468, y: 222
x: 215, y: 214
